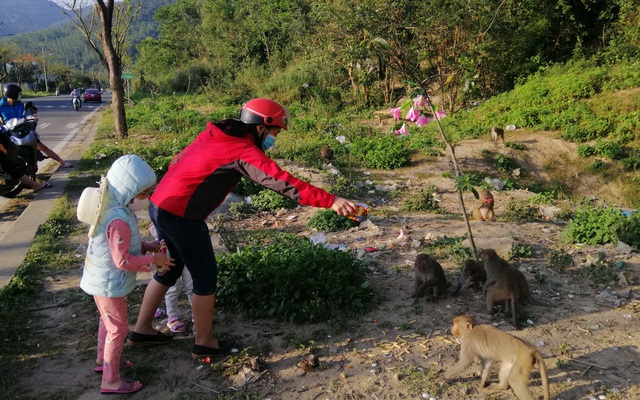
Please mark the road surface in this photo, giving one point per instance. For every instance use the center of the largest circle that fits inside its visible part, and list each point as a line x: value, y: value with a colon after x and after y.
x: 64, y: 130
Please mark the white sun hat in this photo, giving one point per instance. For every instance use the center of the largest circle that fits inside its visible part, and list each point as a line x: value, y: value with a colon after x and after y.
x: 91, y: 204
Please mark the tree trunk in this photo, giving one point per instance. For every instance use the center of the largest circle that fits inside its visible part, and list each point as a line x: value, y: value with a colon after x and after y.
x: 114, y: 66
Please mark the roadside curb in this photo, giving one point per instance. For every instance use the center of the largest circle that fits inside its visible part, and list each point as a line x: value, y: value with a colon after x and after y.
x: 16, y: 242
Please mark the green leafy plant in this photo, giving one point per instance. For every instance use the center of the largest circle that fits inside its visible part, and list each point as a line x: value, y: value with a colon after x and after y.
x: 515, y: 145
x: 598, y: 165
x: 421, y: 200
x: 421, y: 380
x: 602, y: 272
x: 594, y: 226
x: 520, y: 251
x: 629, y: 230
x: 559, y: 260
x: 294, y: 280
x: 329, y: 221
x: 268, y: 200
x: 505, y: 164
x: 239, y: 209
x: 386, y: 152
x: 520, y: 211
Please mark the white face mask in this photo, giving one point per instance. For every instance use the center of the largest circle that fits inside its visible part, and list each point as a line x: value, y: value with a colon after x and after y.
x: 138, y: 205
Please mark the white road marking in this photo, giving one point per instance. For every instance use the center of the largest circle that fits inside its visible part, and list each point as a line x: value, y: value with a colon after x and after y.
x: 71, y: 125
x: 44, y: 125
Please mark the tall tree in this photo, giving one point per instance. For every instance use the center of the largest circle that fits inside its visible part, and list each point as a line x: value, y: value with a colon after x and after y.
x: 114, y: 21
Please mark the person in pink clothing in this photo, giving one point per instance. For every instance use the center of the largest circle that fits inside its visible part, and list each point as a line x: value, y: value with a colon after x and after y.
x: 114, y: 254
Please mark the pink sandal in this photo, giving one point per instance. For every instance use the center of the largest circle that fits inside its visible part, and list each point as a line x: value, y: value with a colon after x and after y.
x: 176, y: 326
x: 127, y: 386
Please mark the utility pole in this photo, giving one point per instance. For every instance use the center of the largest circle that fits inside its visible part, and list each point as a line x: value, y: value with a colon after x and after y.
x: 44, y: 69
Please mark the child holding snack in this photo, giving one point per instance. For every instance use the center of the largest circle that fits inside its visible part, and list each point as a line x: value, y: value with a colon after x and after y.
x: 114, y: 254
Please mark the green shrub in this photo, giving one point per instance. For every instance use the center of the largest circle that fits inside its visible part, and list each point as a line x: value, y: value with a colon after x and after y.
x: 344, y: 187
x: 328, y: 221
x: 268, y: 200
x: 515, y: 145
x: 520, y: 251
x: 631, y: 163
x: 629, y: 231
x: 421, y: 200
x: 519, y: 211
x: 610, y: 149
x: 598, y: 165
x: 386, y: 152
x: 239, y: 209
x: 247, y: 187
x: 594, y: 226
x: 293, y: 280
x: 505, y: 164
x: 584, y: 150
x: 559, y: 260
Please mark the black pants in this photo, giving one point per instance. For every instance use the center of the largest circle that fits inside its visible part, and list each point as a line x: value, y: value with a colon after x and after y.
x: 8, y: 165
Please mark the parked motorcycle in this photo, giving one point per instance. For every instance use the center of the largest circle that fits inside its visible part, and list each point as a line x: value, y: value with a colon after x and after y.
x: 25, y: 153
x: 76, y: 103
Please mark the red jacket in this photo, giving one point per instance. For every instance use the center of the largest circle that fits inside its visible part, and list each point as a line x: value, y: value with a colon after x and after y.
x: 202, y: 175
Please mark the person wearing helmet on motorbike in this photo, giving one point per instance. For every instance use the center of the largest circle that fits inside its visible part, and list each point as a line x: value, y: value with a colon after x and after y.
x: 11, y: 106
x: 197, y: 181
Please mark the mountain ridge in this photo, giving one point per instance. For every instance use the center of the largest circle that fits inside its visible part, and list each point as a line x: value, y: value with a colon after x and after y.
x: 29, y: 16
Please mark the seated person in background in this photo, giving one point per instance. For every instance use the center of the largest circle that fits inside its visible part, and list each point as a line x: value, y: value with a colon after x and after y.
x: 12, y: 107
x: 14, y: 169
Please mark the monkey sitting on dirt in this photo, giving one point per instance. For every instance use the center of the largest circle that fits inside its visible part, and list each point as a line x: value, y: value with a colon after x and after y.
x: 474, y: 271
x: 484, y: 210
x: 517, y: 357
x: 428, y: 278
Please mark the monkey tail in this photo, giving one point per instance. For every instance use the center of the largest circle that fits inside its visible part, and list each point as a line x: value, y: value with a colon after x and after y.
x: 542, y: 368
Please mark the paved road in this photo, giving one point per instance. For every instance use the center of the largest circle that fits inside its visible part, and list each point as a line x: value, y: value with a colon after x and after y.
x: 65, y: 131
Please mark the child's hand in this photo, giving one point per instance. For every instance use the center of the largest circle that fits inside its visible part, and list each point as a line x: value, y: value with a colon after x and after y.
x: 162, y: 261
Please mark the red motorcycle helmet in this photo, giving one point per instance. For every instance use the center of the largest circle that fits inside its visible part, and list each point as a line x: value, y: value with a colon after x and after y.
x: 265, y: 112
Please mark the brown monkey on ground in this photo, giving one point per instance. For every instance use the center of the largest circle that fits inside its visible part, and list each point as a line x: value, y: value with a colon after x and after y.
x: 474, y: 271
x: 484, y: 210
x: 326, y: 152
x: 525, y: 291
x: 502, y: 282
x: 428, y: 274
x: 516, y: 357
x: 497, y: 133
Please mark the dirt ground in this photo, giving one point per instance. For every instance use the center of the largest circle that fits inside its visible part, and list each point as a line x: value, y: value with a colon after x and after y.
x: 589, y: 336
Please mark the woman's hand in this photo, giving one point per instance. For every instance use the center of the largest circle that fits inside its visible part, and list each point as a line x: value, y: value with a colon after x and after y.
x: 343, y: 206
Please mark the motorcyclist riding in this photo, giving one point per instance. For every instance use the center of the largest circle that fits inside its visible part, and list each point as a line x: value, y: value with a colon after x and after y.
x: 11, y: 106
x: 76, y: 93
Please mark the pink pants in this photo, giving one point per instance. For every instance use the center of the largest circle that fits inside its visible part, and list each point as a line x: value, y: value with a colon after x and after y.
x: 112, y: 332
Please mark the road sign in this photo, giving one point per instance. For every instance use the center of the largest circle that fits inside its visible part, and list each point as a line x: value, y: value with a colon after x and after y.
x: 127, y: 75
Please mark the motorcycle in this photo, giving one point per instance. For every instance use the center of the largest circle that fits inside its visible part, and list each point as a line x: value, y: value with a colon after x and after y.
x: 76, y: 102
x: 22, y: 150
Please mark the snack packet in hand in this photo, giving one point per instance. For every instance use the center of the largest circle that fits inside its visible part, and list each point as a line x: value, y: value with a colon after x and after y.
x: 361, y: 213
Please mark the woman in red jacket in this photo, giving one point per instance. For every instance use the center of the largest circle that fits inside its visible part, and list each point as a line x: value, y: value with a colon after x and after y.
x: 196, y: 183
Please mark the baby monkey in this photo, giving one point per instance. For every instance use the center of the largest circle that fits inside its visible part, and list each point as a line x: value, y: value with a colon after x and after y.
x: 517, y: 357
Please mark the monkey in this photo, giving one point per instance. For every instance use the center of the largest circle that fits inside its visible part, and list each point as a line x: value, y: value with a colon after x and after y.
x: 326, y: 152
x: 502, y: 283
x: 497, y: 133
x: 525, y: 291
x: 428, y: 274
x: 517, y: 357
x: 474, y: 271
x: 484, y: 210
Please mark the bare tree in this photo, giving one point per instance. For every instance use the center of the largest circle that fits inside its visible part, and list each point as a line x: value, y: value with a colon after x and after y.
x: 113, y: 20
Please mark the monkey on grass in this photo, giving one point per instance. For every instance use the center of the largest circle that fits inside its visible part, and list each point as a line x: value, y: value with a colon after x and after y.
x: 517, y: 357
